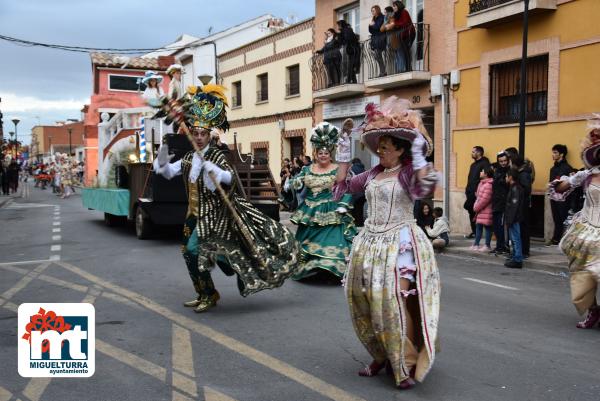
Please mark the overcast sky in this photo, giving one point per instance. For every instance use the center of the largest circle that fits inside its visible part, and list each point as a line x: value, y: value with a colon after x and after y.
x: 53, y: 85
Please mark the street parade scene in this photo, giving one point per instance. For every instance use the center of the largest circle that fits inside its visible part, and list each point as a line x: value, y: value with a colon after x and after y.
x: 416, y: 183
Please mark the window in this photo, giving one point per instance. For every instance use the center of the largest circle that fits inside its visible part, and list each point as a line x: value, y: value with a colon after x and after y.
x: 505, y: 92
x: 262, y: 83
x: 261, y: 156
x: 293, y: 80
x: 236, y: 99
x: 125, y: 83
x: 351, y: 15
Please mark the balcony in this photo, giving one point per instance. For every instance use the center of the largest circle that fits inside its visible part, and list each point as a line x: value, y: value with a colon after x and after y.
x: 333, y: 77
x: 487, y: 13
x: 398, y: 58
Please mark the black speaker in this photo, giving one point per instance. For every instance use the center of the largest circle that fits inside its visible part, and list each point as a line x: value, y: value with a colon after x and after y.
x: 121, y: 177
x: 178, y: 144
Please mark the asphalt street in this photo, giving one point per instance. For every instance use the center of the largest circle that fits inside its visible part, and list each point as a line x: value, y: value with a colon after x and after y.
x: 504, y: 334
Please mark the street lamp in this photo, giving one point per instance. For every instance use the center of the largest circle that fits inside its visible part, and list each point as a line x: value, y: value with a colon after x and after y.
x: 523, y: 94
x: 11, y: 133
x: 15, y: 122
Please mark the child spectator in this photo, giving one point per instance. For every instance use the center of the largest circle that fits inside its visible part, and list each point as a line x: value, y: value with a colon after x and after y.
x: 513, y: 216
x: 483, y: 210
x: 440, y: 231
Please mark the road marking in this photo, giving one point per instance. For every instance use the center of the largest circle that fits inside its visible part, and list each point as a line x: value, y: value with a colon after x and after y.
x: 132, y: 360
x: 492, y: 284
x: 56, y: 238
x: 56, y: 217
x: 56, y: 223
x: 25, y: 262
x: 54, y: 258
x: 177, y: 396
x: 56, y: 213
x: 5, y: 395
x: 183, y: 361
x: 36, y: 387
x: 8, y: 294
x: 304, y: 378
x: 56, y: 230
x: 214, y: 395
x: 25, y: 205
x: 55, y: 248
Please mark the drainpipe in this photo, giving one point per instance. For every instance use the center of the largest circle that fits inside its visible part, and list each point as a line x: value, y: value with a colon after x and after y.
x: 446, y: 144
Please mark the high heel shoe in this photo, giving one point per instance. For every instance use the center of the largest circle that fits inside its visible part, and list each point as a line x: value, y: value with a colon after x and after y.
x: 591, y: 319
x: 373, y: 369
x: 406, y: 384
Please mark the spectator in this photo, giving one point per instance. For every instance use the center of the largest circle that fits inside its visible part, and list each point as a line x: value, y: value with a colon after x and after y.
x: 560, y: 210
x: 378, y: 41
x: 480, y: 163
x: 297, y: 165
x: 358, y: 199
x: 351, y: 57
x: 401, y: 34
x: 332, y: 57
x: 499, y: 193
x: 526, y: 171
x: 425, y: 217
x: 483, y: 209
x: 513, y: 216
x: 153, y: 90
x: 440, y: 232
x: 306, y: 160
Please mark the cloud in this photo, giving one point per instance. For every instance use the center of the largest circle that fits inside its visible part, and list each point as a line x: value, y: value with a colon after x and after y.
x: 19, y: 104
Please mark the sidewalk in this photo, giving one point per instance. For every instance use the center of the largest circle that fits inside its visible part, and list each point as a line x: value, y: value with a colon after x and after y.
x: 541, y: 257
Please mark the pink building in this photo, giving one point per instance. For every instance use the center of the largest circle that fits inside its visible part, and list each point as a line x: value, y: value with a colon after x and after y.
x: 115, y: 88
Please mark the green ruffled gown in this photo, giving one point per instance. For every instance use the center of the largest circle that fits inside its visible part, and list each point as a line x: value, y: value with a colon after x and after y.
x: 324, y: 235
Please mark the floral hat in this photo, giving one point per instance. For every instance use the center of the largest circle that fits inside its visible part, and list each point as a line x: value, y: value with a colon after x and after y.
x: 393, y: 118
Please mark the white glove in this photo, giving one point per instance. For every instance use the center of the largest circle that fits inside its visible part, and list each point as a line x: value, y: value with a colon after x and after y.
x: 418, y: 157
x: 220, y: 175
x: 341, y: 210
x: 163, y: 157
x: 344, y: 149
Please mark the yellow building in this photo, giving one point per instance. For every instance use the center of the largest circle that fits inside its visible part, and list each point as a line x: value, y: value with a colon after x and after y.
x: 563, y: 87
x: 270, y: 95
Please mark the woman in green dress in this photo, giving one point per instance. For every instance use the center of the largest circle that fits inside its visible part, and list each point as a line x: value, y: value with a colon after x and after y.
x: 325, y: 226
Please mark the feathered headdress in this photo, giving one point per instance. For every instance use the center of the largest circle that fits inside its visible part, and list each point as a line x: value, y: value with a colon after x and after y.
x: 325, y: 135
x: 203, y: 107
x: 395, y: 118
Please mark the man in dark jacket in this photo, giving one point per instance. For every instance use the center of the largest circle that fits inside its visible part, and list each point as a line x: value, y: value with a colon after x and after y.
x: 560, y: 210
x: 513, y: 216
x: 480, y: 163
x: 526, y: 178
x: 499, y: 194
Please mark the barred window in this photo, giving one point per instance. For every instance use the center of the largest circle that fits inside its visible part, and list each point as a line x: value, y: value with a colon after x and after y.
x: 505, y: 82
x: 293, y: 78
x: 262, y: 82
x: 236, y: 99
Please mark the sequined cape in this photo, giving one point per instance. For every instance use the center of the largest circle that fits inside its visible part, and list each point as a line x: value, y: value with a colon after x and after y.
x: 219, y: 235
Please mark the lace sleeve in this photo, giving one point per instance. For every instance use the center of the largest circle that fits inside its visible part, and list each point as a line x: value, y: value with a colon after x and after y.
x: 575, y: 181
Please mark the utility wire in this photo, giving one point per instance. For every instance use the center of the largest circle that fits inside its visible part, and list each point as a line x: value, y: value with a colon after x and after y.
x: 84, y: 49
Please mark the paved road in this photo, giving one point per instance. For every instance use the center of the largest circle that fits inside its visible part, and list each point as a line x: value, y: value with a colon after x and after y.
x: 505, y: 335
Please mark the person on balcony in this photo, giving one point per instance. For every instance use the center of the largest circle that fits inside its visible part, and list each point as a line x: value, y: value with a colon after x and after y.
x: 325, y: 226
x: 378, y: 40
x: 332, y: 57
x: 153, y: 90
x: 402, y: 34
x: 351, y: 57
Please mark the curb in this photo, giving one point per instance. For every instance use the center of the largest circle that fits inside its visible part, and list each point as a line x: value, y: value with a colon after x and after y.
x: 499, y: 260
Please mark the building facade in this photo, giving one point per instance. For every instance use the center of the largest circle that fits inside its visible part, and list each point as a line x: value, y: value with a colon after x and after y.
x: 270, y: 95
x: 389, y: 67
x: 46, y: 139
x: 562, y: 88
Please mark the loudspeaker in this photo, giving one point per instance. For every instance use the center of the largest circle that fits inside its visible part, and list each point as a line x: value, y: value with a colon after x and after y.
x: 178, y: 144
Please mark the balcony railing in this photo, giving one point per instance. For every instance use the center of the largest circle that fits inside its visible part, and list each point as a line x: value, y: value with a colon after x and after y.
x: 480, y: 5
x: 397, y: 52
x: 335, y: 68
x: 262, y: 96
x: 292, y: 89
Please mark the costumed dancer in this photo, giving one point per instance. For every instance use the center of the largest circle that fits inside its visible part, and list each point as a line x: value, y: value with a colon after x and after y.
x: 153, y: 89
x: 325, y: 226
x: 175, y: 87
x: 392, y: 283
x: 581, y: 241
x: 222, y: 228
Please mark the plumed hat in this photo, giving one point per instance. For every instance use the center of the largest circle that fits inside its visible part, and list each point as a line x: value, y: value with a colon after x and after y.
x: 393, y: 118
x: 325, y: 136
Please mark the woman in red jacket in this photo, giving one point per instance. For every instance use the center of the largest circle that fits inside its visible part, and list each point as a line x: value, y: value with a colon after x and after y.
x: 483, y: 210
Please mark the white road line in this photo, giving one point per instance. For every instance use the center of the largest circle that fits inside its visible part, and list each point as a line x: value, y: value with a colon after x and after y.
x: 25, y: 262
x: 54, y: 258
x: 56, y: 238
x: 56, y: 230
x: 492, y: 284
x: 56, y: 223
x: 56, y: 217
x: 55, y: 248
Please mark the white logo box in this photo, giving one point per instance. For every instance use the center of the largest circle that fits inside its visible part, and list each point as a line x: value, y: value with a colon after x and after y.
x: 77, y: 362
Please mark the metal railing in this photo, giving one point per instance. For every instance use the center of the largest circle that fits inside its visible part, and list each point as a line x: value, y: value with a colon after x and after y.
x: 480, y: 5
x: 236, y: 101
x: 399, y: 51
x: 336, y: 67
x: 262, y: 96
